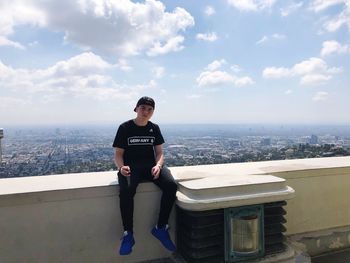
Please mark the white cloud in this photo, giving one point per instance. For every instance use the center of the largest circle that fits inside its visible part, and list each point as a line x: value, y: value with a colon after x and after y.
x: 34, y: 43
x: 276, y: 73
x: 313, y: 71
x: 210, y: 78
x: 251, y: 5
x: 244, y: 81
x: 15, y: 13
x: 111, y: 27
x: 172, y: 45
x: 262, y: 40
x: 216, y: 78
x: 288, y: 92
x: 333, y: 22
x: 309, y: 66
x: 216, y: 64
x: 320, y: 96
x: 123, y: 65
x: 235, y: 68
x: 265, y: 39
x: 291, y: 9
x: 6, y: 42
x: 211, y: 37
x: 243, y: 5
x: 7, y: 72
x: 334, y: 70
x: 332, y: 46
x: 209, y: 10
x: 314, y: 79
x: 320, y: 5
x: 85, y: 75
x: 158, y: 72
x: 278, y: 36
x: 83, y: 65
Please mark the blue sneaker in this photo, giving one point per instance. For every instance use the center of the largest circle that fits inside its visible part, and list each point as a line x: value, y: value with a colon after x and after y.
x: 127, y: 243
x: 163, y: 235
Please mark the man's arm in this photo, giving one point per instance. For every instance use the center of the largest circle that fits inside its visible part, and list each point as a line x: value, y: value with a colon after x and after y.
x: 119, y: 161
x: 159, y: 161
x: 159, y: 155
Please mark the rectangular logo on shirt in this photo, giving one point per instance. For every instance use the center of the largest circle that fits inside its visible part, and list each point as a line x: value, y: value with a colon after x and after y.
x: 141, y: 140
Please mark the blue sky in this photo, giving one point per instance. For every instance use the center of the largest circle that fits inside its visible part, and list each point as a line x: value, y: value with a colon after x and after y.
x: 225, y: 61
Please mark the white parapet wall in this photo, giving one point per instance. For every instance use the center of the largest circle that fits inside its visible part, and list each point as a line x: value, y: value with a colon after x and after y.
x: 322, y: 199
x: 75, y: 217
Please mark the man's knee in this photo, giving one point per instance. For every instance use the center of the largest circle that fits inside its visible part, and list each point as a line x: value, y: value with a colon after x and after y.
x: 170, y: 187
x: 127, y: 192
x: 170, y: 184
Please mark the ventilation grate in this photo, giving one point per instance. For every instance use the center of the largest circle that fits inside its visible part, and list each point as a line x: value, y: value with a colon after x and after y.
x: 200, y: 235
x: 273, y: 227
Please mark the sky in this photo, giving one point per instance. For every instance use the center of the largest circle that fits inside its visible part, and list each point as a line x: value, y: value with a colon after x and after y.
x: 225, y: 61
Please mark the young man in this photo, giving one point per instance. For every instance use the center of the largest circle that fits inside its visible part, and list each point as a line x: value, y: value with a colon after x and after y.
x: 139, y: 156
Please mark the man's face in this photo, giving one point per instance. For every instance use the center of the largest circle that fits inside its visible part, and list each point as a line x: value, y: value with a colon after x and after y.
x: 144, y: 112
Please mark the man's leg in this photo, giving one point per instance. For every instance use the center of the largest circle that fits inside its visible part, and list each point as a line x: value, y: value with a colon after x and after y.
x: 168, y: 186
x: 127, y: 190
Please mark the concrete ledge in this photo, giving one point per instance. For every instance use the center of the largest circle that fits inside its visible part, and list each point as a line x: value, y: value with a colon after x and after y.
x: 75, y: 224
x: 266, y: 167
x: 230, y: 185
x: 231, y: 191
x: 31, y: 184
x: 64, y: 194
x: 208, y: 204
x: 303, y: 167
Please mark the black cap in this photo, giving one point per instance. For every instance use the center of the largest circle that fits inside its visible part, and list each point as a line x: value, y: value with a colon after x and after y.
x: 145, y: 101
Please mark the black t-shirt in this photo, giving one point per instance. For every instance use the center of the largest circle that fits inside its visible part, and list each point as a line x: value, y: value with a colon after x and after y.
x: 138, y: 142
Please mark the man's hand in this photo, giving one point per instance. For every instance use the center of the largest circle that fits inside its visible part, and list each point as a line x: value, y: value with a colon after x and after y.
x: 125, y: 170
x: 155, y: 171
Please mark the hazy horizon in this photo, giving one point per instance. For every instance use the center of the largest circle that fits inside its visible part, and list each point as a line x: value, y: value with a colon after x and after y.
x: 193, y: 129
x: 113, y: 123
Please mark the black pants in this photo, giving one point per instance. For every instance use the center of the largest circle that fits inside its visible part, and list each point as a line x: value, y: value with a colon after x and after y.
x: 127, y: 192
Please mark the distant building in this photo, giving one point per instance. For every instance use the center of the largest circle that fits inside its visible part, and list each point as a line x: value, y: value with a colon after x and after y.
x: 266, y: 142
x: 1, y: 136
x: 313, y: 139
x: 235, y: 143
x: 289, y: 153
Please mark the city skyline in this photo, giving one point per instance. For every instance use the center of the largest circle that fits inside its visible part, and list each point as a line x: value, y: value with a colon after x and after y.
x: 254, y: 61
x: 44, y: 151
